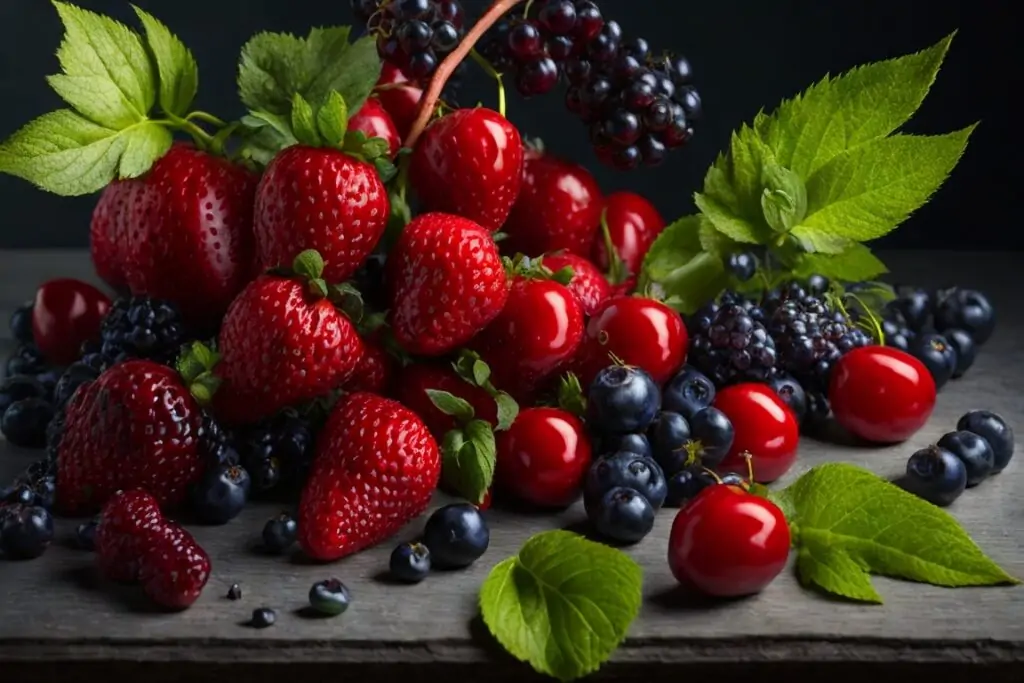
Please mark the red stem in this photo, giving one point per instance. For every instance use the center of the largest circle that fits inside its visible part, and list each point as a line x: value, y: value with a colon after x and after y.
x: 445, y: 69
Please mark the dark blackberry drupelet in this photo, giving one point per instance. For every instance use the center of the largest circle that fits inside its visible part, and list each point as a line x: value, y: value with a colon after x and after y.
x: 37, y: 485
x: 728, y: 345
x: 414, y: 35
x: 141, y: 327
x: 278, y: 452
x: 216, y: 443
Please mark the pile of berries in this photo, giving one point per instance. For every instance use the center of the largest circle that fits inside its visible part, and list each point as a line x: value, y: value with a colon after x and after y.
x: 414, y: 35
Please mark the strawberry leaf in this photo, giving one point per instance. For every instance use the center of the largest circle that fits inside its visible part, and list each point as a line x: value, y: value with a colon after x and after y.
x: 508, y: 410
x: 176, y: 67
x: 332, y: 120
x: 304, y: 122
x: 468, y: 460
x: 450, y: 404
x: 309, y: 264
x: 571, y: 397
x: 481, y: 372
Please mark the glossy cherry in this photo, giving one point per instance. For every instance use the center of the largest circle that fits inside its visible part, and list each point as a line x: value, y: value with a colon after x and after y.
x: 764, y: 427
x: 537, y: 331
x: 633, y: 224
x: 399, y: 97
x: 543, y: 457
x: 410, y: 389
x: 373, y: 120
x: 642, y: 332
x: 728, y: 543
x: 66, y: 314
x: 559, y: 207
x: 881, y: 394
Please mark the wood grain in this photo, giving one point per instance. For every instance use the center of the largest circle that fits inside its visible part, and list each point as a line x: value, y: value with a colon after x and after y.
x: 56, y: 609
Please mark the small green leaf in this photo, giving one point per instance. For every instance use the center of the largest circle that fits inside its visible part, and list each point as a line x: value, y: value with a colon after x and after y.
x: 508, y: 410
x: 851, y: 523
x: 563, y: 276
x: 855, y: 264
x: 571, y: 397
x: 784, y: 197
x: 66, y: 154
x: 374, y: 147
x: 332, y: 119
x: 866, y: 192
x: 481, y: 372
x: 727, y: 222
x: 385, y: 169
x: 108, y: 77
x: 688, y: 275
x: 468, y: 460
x: 734, y: 183
x: 176, y: 67
x: 303, y: 122
x: 563, y: 604
x: 450, y: 404
x: 309, y: 264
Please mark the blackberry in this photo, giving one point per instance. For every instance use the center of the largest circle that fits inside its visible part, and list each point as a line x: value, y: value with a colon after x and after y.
x: 729, y: 345
x: 37, y: 485
x: 217, y: 444
x: 278, y: 452
x: 142, y: 327
x: 414, y: 35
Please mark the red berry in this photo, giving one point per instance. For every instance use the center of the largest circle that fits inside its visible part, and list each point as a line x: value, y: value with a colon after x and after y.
x: 375, y: 371
x: 633, y: 224
x: 173, y: 568
x: 373, y: 120
x: 642, y: 332
x: 107, y: 233
x: 881, y: 394
x: 399, y: 97
x: 765, y: 428
x: 417, y: 378
x: 67, y: 313
x: 126, y: 518
x: 728, y: 543
x: 543, y: 457
x: 588, y: 283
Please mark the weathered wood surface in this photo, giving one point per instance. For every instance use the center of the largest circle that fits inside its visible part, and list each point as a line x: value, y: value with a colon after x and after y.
x: 56, y: 609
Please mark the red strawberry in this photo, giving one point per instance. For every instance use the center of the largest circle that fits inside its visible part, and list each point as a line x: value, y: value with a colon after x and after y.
x: 470, y: 163
x: 136, y: 426
x: 399, y: 96
x: 559, y: 207
x: 126, y: 518
x: 446, y: 282
x: 373, y: 120
x: 419, y: 377
x: 319, y: 198
x: 588, y: 284
x: 375, y: 370
x: 375, y: 470
x: 633, y: 224
x: 283, y: 342
x: 173, y: 568
x: 188, y: 235
x: 538, y: 331
x: 107, y: 234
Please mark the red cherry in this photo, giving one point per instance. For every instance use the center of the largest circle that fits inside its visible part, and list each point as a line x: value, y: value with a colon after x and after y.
x: 410, y: 389
x: 559, y: 207
x: 543, y: 457
x: 765, y: 428
x: 373, y: 120
x: 881, y: 394
x: 633, y: 224
x: 642, y: 332
x: 399, y: 97
x: 728, y: 543
x: 66, y: 314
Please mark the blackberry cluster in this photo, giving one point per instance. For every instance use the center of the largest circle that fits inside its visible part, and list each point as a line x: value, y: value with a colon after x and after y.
x: 729, y: 343
x: 278, y: 452
x: 216, y: 443
x: 414, y: 35
x: 37, y: 485
x: 141, y: 327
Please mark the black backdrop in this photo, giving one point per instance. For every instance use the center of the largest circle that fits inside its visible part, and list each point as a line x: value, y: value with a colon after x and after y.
x: 747, y: 54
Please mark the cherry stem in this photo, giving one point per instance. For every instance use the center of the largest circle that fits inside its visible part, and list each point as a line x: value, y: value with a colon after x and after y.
x: 493, y: 73
x: 748, y: 456
x: 446, y: 68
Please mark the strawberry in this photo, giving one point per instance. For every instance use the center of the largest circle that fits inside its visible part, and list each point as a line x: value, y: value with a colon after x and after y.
x: 375, y: 470
x: 419, y: 377
x: 107, y: 239
x: 373, y: 120
x: 319, y: 198
x: 282, y: 342
x: 558, y: 207
x: 188, y: 233
x: 376, y: 369
x: 125, y: 519
x: 137, y: 426
x: 446, y: 282
x: 400, y: 97
x: 470, y: 163
x: 628, y: 229
x: 588, y: 284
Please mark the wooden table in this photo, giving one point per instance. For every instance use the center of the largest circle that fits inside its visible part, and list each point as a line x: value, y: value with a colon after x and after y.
x: 59, y: 622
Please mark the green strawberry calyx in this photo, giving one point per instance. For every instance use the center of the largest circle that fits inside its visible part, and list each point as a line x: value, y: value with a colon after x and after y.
x: 196, y: 365
x: 309, y: 266
x: 523, y: 266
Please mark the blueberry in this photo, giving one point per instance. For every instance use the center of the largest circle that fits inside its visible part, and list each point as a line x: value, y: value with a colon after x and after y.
x: 27, y: 533
x: 817, y: 285
x: 742, y: 266
x: 25, y: 360
x: 21, y: 324
x: 965, y: 348
x: 221, y: 494
x: 622, y: 399
x: 18, y: 387
x: 688, y: 392
x: 410, y: 562
x: 626, y: 470
x: 897, y: 335
x: 48, y: 380
x: 73, y: 377
x: 965, y: 309
x: 234, y: 592
x: 85, y: 534
x: 975, y: 452
x: 262, y: 617
x: 914, y: 305
x: 634, y: 443
x: 280, y: 533
x: 19, y: 495
x: 329, y: 597
x: 624, y: 515
x: 714, y: 431
x: 456, y: 535
x: 993, y: 429
x: 936, y: 475
x: 670, y: 434
x: 937, y: 354
x: 792, y: 394
x: 684, y: 485
x: 24, y: 422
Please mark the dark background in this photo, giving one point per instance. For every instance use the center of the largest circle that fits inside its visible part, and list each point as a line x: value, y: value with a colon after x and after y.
x: 747, y: 54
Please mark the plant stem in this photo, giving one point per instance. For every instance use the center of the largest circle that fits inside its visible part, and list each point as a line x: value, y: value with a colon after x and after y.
x: 493, y: 73
x: 445, y: 69
x: 206, y: 118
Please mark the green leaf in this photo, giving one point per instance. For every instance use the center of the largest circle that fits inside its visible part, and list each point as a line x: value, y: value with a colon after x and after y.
x: 66, y: 154
x: 309, y: 264
x: 332, y: 119
x: 563, y: 604
x: 815, y: 240
x: 783, y: 197
x: 855, y: 264
x: 481, y: 372
x: 350, y: 69
x: 864, y: 104
x: 851, y: 522
x: 508, y: 410
x: 303, y: 122
x: 272, y: 69
x: 725, y: 221
x: 571, y: 398
x: 108, y: 77
x: 468, y: 460
x: 866, y: 192
x: 688, y: 276
x: 450, y: 404
x: 734, y: 187
x: 176, y: 67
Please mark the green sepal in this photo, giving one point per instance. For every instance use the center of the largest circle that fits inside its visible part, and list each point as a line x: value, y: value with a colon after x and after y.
x: 195, y: 364
x: 303, y: 122
x: 452, y: 405
x: 571, y: 397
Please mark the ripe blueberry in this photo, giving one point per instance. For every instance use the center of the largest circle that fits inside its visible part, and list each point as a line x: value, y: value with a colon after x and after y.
x: 624, y: 515
x: 624, y: 470
x: 221, y: 494
x: 669, y: 435
x: 280, y: 533
x: 688, y: 392
x: 410, y: 562
x: 965, y: 309
x: 456, y: 535
x: 995, y: 431
x: 713, y: 430
x: 975, y: 452
x: 329, y: 597
x: 622, y: 400
x: 937, y: 354
x: 936, y: 475
x: 965, y: 348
